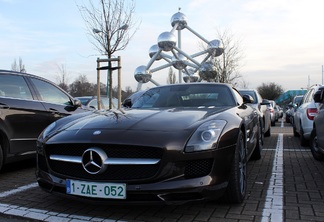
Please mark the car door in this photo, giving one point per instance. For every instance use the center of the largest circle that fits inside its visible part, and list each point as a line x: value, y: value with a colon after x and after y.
x: 56, y: 101
x: 22, y: 116
x: 298, y: 115
x: 320, y: 123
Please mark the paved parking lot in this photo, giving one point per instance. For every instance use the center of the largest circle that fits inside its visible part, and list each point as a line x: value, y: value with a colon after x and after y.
x: 285, y: 185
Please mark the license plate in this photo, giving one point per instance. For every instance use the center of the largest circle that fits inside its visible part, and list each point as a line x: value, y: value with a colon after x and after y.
x: 97, y: 190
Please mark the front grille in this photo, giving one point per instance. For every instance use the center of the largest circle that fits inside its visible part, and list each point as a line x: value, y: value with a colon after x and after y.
x: 198, y: 168
x: 114, y: 151
x: 113, y: 172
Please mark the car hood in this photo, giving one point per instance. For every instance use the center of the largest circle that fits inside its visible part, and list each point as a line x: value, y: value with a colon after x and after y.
x: 170, y: 128
x: 143, y: 119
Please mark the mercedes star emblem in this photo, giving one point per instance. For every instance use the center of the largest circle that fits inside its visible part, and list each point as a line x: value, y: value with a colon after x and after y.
x: 93, y: 160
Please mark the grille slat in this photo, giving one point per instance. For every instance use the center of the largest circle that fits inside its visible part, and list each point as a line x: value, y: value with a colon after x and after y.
x: 117, y: 172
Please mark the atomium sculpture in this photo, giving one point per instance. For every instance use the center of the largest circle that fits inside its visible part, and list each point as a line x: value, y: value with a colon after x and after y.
x: 180, y: 60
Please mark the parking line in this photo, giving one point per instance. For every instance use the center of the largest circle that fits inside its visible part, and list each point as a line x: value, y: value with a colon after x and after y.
x: 38, y: 214
x: 273, y: 207
x: 19, y: 189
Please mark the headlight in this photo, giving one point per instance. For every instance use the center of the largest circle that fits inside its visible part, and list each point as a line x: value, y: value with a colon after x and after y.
x: 206, y: 136
x: 48, y: 130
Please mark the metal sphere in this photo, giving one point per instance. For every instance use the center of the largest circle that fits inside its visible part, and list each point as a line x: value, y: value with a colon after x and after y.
x: 215, y: 48
x: 142, y: 75
x: 180, y: 62
x: 179, y: 18
x: 207, y: 71
x: 167, y: 41
x: 153, y: 50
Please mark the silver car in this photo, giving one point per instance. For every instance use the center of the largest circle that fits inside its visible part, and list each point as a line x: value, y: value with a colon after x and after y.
x: 261, y: 105
x: 304, y: 116
x: 274, y: 112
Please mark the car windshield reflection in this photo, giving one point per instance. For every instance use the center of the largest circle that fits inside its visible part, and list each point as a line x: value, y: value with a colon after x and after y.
x: 185, y: 96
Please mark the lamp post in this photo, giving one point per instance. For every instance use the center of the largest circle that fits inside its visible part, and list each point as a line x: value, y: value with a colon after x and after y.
x: 109, y: 54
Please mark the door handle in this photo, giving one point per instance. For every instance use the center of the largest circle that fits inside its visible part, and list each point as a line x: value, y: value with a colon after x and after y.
x: 54, y: 111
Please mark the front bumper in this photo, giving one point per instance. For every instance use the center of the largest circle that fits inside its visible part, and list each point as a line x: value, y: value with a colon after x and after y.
x: 176, y: 191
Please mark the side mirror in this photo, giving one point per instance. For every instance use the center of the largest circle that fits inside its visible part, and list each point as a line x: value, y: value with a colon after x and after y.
x: 76, y: 103
x: 247, y: 99
x: 127, y: 103
x: 265, y: 102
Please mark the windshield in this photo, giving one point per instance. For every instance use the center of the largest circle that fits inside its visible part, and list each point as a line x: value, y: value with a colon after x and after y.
x: 186, y: 95
x: 83, y: 100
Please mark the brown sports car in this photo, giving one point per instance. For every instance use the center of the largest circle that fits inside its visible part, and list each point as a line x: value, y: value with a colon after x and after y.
x: 177, y: 143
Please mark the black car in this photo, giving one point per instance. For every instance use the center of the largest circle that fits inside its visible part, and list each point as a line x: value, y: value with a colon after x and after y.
x: 28, y: 104
x: 317, y: 134
x: 177, y: 143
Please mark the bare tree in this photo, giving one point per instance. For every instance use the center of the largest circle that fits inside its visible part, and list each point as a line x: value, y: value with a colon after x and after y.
x: 242, y: 83
x: 171, y: 77
x: 109, y: 25
x: 62, y: 77
x: 20, y: 67
x: 82, y: 87
x: 228, y: 64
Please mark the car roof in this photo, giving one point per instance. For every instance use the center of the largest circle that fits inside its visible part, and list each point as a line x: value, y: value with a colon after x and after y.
x: 247, y: 90
x: 2, y: 71
x: 11, y: 72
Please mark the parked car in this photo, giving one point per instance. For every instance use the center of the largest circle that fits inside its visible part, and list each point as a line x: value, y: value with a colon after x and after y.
x: 28, y: 104
x: 92, y: 102
x: 295, y: 103
x: 260, y: 104
x: 317, y: 134
x: 177, y: 143
x: 288, y: 113
x: 304, y: 116
x: 280, y: 111
x: 274, y: 112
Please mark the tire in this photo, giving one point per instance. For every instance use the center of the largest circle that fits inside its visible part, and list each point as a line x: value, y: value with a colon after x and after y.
x: 314, y: 147
x: 236, y: 189
x: 1, y: 157
x: 303, y: 141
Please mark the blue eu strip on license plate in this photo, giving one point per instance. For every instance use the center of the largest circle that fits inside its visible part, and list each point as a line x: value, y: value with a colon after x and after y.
x: 96, y: 190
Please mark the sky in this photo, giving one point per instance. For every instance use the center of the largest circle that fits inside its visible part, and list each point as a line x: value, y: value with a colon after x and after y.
x: 282, y: 40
